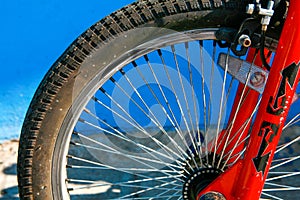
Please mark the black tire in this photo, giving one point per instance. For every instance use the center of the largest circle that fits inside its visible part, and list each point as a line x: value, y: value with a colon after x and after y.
x: 69, y: 75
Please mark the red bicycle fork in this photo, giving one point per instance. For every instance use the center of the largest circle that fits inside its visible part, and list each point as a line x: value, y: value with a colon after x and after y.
x: 245, y: 179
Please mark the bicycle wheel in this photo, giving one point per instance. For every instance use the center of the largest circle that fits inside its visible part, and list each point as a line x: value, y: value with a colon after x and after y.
x: 137, y: 105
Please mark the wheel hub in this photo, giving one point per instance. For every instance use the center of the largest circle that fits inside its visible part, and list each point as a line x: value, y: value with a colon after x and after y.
x: 197, y: 181
x: 212, y: 196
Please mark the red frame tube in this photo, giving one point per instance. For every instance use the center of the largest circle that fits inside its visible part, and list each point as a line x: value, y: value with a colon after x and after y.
x: 273, y: 110
x: 246, y: 178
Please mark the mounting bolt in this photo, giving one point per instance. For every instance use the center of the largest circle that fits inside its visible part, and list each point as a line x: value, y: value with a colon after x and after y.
x: 257, y: 79
x: 245, y: 40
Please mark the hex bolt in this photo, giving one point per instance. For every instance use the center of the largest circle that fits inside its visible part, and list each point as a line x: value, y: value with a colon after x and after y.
x: 245, y: 40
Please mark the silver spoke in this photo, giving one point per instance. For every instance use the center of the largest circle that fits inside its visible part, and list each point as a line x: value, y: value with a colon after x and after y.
x: 177, y: 101
x: 123, y: 169
x: 291, y: 159
x: 284, y: 175
x: 136, y: 125
x: 157, y: 100
x: 139, y: 145
x: 186, y: 103
x: 197, y: 131
x: 145, y: 190
x: 241, y: 100
x: 153, y: 119
x: 280, y: 187
x: 179, y: 131
x: 221, y: 108
x: 117, y: 169
x: 293, y: 121
x: 141, y: 160
x: 281, y: 147
x: 131, y: 184
x: 238, y: 142
x: 272, y: 196
x: 120, y: 135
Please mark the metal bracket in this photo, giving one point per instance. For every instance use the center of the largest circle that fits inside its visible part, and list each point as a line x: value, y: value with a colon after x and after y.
x: 235, y: 37
x: 245, y: 72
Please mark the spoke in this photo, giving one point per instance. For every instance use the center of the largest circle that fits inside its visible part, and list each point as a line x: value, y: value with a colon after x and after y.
x: 231, y: 122
x: 157, y: 99
x: 100, y: 183
x: 223, y: 112
x: 285, y: 175
x: 238, y: 142
x: 118, y: 169
x: 153, y: 119
x: 186, y: 103
x: 136, y: 125
x: 280, y: 188
x: 214, y: 56
x: 281, y: 147
x: 179, y: 131
x: 177, y: 101
x: 131, y: 184
x: 238, y: 156
x: 204, y: 95
x: 176, y: 194
x: 272, y: 196
x: 210, y: 97
x: 170, y: 196
x: 241, y: 100
x: 147, y: 149
x: 132, y: 157
x: 199, y: 149
x: 161, y: 197
x: 120, y: 135
x: 145, y: 190
x: 229, y: 153
x: 286, y: 162
x: 193, y: 97
x: 203, y: 84
x: 135, y: 158
x: 221, y: 107
x: 281, y: 159
x: 292, y: 121
x: 124, y: 169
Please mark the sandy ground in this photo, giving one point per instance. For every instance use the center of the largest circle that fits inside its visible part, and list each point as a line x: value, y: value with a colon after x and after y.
x: 8, y: 170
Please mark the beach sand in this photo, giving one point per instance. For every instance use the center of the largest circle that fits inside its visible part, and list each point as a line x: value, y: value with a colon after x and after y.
x: 8, y: 170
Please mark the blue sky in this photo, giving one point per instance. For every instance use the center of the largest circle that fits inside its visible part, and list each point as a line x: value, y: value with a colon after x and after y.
x: 33, y: 35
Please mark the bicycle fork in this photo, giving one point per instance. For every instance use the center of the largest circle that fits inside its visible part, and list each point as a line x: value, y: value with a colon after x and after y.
x: 245, y: 179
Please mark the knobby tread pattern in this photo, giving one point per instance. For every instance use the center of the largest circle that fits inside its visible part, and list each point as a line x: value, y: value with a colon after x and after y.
x: 129, y: 17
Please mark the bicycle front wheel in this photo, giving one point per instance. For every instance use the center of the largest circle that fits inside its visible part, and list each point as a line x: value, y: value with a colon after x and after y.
x: 137, y: 106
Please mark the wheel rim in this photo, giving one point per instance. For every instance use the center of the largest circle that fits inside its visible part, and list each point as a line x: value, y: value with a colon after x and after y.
x: 140, y: 132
